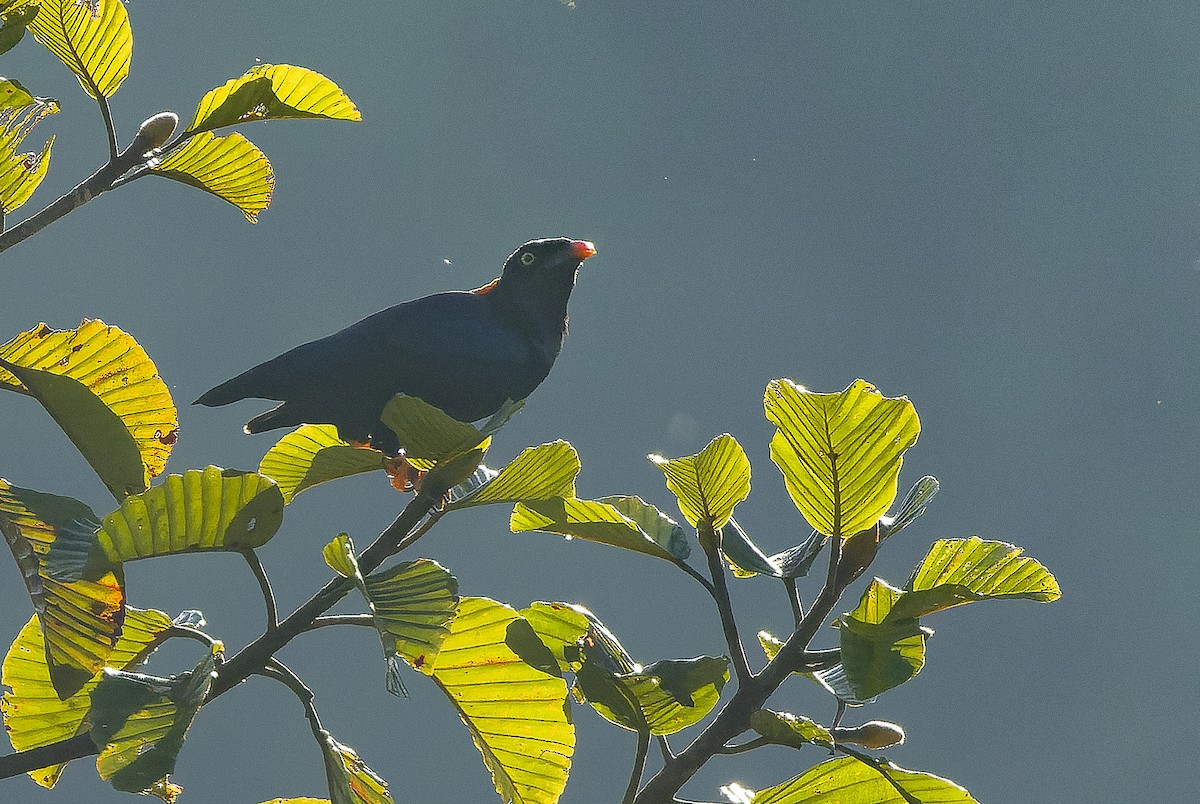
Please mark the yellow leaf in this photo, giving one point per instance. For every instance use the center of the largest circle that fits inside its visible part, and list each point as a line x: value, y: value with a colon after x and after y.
x: 230, y: 167
x: 710, y: 483
x: 21, y: 173
x: 273, y: 92
x: 91, y: 37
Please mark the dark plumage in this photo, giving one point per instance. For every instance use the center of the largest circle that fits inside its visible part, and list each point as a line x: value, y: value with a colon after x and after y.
x: 466, y: 352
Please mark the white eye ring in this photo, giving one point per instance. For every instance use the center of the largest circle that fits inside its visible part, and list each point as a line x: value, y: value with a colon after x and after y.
x: 527, y: 258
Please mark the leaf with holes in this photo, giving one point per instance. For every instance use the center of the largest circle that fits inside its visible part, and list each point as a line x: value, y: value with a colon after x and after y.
x: 509, y: 692
x: 848, y: 781
x: 413, y: 604
x: 230, y: 167
x: 784, y: 728
x: 33, y: 713
x: 710, y: 483
x: 139, y: 722
x: 313, y: 454
x: 77, y: 591
x: 21, y: 173
x: 103, y: 390
x: 840, y: 454
x: 538, y: 473
x: 93, y: 38
x: 200, y: 510
x: 273, y: 92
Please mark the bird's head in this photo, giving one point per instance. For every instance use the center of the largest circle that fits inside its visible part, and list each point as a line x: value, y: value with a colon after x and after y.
x: 538, y: 277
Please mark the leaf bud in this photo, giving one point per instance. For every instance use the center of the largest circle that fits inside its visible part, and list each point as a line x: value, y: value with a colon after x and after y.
x: 872, y: 734
x: 155, y: 131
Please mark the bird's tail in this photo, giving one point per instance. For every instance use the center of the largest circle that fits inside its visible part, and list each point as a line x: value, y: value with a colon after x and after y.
x: 278, y: 416
x: 225, y: 393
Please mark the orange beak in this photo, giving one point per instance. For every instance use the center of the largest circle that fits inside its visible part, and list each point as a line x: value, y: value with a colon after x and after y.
x: 582, y: 249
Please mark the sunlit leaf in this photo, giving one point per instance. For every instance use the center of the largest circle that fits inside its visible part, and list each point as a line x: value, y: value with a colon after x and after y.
x: 560, y: 626
x: 21, y: 173
x: 139, y: 722
x: 273, y: 92
x: 230, y: 167
x: 200, y: 510
x: 313, y: 454
x: 880, y: 652
x: 593, y: 520
x: 104, y: 391
x: 958, y: 571
x: 784, y: 728
x: 339, y: 555
x: 671, y: 694
x: 538, y: 473
x: 13, y: 29
x: 77, y: 592
x: 299, y: 800
x: 509, y: 692
x: 710, y: 483
x: 660, y: 528
x: 840, y: 454
x: 92, y: 38
x: 350, y: 780
x: 849, y: 781
x: 33, y: 713
x: 13, y: 95
x: 413, y: 603
x: 426, y: 433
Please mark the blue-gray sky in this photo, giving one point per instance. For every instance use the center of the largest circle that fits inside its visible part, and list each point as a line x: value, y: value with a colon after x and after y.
x: 990, y: 207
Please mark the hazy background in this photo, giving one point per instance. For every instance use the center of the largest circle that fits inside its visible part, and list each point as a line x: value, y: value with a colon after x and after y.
x: 991, y: 207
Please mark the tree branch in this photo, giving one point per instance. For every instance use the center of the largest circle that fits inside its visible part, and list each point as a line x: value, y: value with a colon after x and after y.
x: 264, y: 583
x: 709, y: 540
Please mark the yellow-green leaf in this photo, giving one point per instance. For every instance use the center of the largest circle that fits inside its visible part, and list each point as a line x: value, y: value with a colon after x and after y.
x: 16, y: 17
x: 560, y: 626
x: 229, y: 167
x: 139, y: 722
x: 671, y: 694
x: 958, y: 571
x: 350, y: 780
x: 33, y: 713
x: 314, y: 454
x: 21, y: 173
x: 538, y: 473
x: 840, y: 454
x: 784, y: 728
x: 428, y: 435
x: 202, y: 509
x: 273, y: 92
x: 413, y: 603
x: 509, y: 692
x: 339, y: 555
x: 91, y: 37
x: 710, y: 483
x: 77, y: 592
x: 848, y: 781
x: 126, y: 446
x: 586, y: 519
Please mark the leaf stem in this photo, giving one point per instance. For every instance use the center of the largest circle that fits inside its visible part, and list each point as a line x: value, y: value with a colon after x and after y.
x: 793, y: 593
x: 279, y: 671
x: 881, y: 766
x: 720, y: 593
x: 757, y: 742
x: 109, y: 128
x: 342, y: 619
x: 639, y: 765
x: 264, y: 584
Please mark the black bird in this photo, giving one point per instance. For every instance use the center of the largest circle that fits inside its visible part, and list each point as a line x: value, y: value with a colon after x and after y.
x: 466, y: 352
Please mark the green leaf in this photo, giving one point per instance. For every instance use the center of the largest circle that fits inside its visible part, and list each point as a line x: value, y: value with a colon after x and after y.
x: 538, y: 473
x: 21, y: 173
x: 339, y: 555
x: 560, y: 626
x: 710, y: 483
x: 660, y: 528
x: 231, y: 168
x: 414, y: 603
x: 428, y: 435
x: 878, y: 657
x: 314, y: 454
x: 915, y: 502
x: 139, y: 722
x: 795, y: 562
x: 350, y: 780
x: 671, y: 694
x: 508, y: 691
x: 273, y: 92
x: 744, y: 556
x: 78, y: 593
x: 92, y: 38
x: 848, y: 781
x: 200, y: 510
x: 13, y: 29
x: 593, y: 520
x: 13, y: 95
x: 103, y: 390
x: 958, y: 571
x: 840, y: 454
x: 783, y: 728
x: 33, y: 713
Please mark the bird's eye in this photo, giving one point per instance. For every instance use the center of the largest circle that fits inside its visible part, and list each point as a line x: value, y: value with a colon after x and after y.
x: 527, y: 258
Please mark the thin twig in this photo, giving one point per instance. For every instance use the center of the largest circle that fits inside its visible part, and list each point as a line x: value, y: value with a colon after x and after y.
x: 192, y: 633
x: 793, y: 593
x: 109, y: 128
x: 281, y: 672
x: 342, y: 619
x: 716, y: 570
x: 639, y: 765
x: 264, y: 584
x: 665, y: 747
x: 742, y: 748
